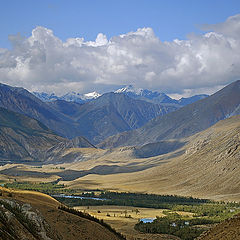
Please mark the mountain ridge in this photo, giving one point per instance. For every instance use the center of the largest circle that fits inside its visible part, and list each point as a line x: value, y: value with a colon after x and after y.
x: 21, y: 101
x: 70, y: 119
x: 183, y: 122
x: 23, y: 138
x: 112, y: 113
x: 129, y: 90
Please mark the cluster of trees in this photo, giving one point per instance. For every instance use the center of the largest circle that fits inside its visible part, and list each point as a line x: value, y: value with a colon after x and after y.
x: 152, y: 198
x: 133, y: 199
x: 174, y: 224
x: 164, y: 226
x: 187, y: 228
x: 216, y: 211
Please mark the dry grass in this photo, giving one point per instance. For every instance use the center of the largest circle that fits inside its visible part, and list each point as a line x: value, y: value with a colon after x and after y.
x: 209, y: 168
x: 118, y: 218
x: 63, y: 225
x: 227, y: 230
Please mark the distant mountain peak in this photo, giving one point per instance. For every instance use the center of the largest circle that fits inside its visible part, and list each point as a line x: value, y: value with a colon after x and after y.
x: 145, y: 94
x: 129, y: 88
x: 91, y: 95
x: 46, y: 97
x: 69, y: 97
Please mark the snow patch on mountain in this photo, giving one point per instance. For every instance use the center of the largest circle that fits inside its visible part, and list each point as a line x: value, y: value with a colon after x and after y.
x: 69, y: 97
x: 91, y: 95
x: 145, y: 94
x: 129, y: 90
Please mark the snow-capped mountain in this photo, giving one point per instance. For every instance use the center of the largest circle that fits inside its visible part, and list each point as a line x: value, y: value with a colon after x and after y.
x: 145, y: 94
x: 129, y: 90
x: 91, y: 95
x: 69, y: 97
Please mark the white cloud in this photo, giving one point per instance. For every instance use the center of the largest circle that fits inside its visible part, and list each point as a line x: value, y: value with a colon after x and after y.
x: 43, y: 62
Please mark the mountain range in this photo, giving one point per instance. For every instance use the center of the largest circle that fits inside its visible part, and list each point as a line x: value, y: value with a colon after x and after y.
x: 183, y: 122
x: 157, y: 97
x: 69, y: 97
x: 96, y: 120
x: 127, y: 121
x: 113, y: 113
x: 206, y: 165
x: 129, y: 90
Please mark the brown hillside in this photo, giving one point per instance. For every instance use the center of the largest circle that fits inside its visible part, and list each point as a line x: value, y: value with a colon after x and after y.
x: 208, y: 168
x: 44, y: 219
x: 227, y: 230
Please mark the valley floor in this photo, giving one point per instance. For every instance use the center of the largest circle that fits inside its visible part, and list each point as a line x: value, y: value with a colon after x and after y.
x: 124, y: 218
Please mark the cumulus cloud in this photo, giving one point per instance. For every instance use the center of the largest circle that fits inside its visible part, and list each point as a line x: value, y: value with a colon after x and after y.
x: 202, y: 63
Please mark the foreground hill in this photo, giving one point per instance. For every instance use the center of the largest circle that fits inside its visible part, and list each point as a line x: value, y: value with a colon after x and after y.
x: 184, y: 122
x: 31, y: 215
x: 227, y: 230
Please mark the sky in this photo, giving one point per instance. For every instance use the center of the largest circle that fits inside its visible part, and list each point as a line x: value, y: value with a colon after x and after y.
x: 178, y: 47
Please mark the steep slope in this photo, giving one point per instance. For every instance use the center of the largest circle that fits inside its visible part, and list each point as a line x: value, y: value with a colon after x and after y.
x: 35, y: 216
x: 227, y: 230
x: 64, y: 151
x: 23, y: 138
x: 184, y: 122
x: 68, y: 108
x: 21, y: 101
x: 113, y: 113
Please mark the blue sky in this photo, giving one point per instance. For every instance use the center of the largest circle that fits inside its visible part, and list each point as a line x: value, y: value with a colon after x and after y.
x: 76, y: 18
x: 180, y: 47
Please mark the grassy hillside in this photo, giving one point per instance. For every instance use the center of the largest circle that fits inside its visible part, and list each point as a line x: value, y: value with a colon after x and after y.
x: 208, y: 168
x: 205, y: 166
x: 32, y: 215
x: 227, y: 230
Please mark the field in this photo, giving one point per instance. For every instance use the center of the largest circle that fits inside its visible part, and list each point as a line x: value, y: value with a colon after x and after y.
x: 123, y: 218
